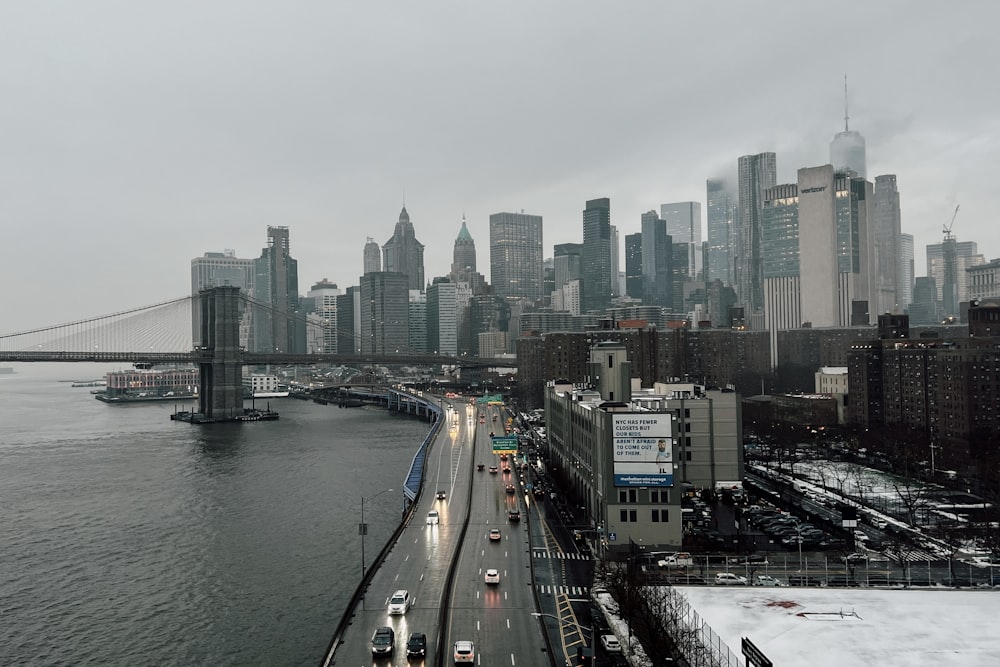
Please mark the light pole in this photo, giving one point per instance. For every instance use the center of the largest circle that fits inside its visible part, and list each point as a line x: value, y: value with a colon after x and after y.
x: 363, y: 527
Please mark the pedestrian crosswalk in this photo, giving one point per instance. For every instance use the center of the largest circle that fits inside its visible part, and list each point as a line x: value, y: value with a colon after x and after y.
x: 541, y: 553
x: 575, y: 591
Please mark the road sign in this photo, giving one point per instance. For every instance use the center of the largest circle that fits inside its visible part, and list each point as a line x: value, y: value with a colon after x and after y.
x: 612, y: 537
x: 504, y: 444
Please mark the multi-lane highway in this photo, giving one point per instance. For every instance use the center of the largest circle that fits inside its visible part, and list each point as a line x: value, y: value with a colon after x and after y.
x: 443, y: 566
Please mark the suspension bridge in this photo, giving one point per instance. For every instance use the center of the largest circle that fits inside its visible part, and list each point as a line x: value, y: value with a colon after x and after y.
x: 219, y: 330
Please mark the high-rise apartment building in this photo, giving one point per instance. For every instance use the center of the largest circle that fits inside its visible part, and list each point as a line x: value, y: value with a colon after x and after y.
x: 349, y: 321
x: 384, y: 313
x: 597, y: 274
x: 904, y: 283
x: 757, y: 173
x: 403, y: 253
x: 887, y: 228
x: 373, y: 256
x: 417, y: 321
x: 855, y: 248
x: 684, y: 226
x: 721, y: 205
x: 516, y: 255
x: 616, y: 288
x: 276, y: 283
x: 781, y: 267
x: 657, y: 262
x: 983, y: 281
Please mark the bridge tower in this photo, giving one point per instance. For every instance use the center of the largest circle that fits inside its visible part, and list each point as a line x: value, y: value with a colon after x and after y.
x: 221, y: 391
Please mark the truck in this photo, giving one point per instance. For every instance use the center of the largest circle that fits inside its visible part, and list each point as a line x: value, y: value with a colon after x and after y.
x: 733, y: 488
x: 679, y: 559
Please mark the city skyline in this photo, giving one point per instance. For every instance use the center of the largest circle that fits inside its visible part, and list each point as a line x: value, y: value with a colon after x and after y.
x: 140, y: 138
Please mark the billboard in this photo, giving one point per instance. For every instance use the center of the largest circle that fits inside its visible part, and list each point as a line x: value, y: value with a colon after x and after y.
x: 643, y: 449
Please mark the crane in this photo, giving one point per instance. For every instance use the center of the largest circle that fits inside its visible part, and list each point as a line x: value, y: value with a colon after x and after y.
x: 947, y: 228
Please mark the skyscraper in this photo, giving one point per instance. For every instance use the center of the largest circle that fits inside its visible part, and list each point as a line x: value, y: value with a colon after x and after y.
x: 756, y: 174
x: 384, y: 313
x: 403, y: 253
x: 847, y: 150
x: 721, y: 211
x: 855, y: 248
x: 516, y: 255
x: 684, y: 226
x: 633, y: 265
x: 596, y: 269
x: 946, y: 263
x: 464, y: 254
x: 442, y: 317
x: 887, y: 230
x: 276, y: 283
x: 904, y: 283
x: 324, y: 297
x: 217, y: 269
x: 373, y: 257
x: 615, y: 274
x: 566, y: 263
x: 657, y: 262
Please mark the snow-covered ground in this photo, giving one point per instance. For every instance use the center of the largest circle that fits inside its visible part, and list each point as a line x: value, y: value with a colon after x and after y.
x: 824, y: 627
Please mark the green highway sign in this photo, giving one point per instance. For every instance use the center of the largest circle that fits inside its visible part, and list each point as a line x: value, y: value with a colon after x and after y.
x: 495, y: 398
x: 504, y: 444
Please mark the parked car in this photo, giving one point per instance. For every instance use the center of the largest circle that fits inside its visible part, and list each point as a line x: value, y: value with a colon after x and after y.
x: 383, y: 641
x: 416, y: 645
x: 730, y: 579
x: 767, y: 580
x: 611, y: 644
x: 465, y: 651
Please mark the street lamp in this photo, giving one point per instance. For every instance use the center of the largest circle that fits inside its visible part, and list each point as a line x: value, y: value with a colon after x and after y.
x: 363, y: 527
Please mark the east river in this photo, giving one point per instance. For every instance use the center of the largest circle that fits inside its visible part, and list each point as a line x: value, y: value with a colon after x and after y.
x: 128, y: 538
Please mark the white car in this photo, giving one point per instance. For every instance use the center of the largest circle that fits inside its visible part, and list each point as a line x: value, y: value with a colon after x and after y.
x: 492, y: 576
x: 767, y: 580
x: 399, y: 603
x: 730, y: 579
x: 433, y: 518
x: 611, y: 644
x: 465, y: 652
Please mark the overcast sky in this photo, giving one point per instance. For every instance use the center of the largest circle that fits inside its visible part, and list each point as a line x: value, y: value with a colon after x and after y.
x: 135, y: 136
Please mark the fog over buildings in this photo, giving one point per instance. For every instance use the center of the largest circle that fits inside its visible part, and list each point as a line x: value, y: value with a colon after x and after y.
x: 139, y: 136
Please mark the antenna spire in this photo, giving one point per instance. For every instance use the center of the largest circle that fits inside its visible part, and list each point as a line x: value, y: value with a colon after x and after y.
x: 845, y: 104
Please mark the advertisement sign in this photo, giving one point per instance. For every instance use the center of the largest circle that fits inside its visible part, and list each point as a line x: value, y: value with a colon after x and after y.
x: 643, y: 449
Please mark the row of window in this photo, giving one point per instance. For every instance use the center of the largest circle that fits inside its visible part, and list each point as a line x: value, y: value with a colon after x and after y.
x: 632, y: 496
x: 632, y: 516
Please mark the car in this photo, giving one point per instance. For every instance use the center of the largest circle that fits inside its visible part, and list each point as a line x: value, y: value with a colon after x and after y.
x: 611, y: 644
x: 856, y: 557
x: 416, y: 645
x: 730, y: 579
x: 465, y: 651
x: 494, y: 534
x: 503, y: 457
x: 399, y: 603
x: 480, y: 467
x: 510, y: 488
x: 766, y: 580
x: 506, y: 470
x: 513, y: 515
x: 492, y: 576
x: 482, y: 420
x: 383, y: 641
x: 433, y: 518
x: 441, y: 495
x: 494, y: 470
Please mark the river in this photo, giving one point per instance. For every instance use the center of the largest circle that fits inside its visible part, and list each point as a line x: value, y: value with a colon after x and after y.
x: 128, y: 538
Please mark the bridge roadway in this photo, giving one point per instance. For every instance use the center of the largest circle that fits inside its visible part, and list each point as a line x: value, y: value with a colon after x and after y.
x: 540, y: 571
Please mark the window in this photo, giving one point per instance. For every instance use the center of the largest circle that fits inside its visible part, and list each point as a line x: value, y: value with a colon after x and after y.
x: 628, y: 496
x: 687, y: 455
x: 628, y: 516
x: 658, y: 496
x: 660, y: 516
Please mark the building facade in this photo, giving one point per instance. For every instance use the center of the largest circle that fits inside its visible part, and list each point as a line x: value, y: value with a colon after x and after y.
x: 516, y: 256
x: 596, y: 276
x: 756, y: 174
x: 403, y: 253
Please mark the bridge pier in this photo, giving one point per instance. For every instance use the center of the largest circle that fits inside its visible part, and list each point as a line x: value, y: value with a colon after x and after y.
x: 221, y: 391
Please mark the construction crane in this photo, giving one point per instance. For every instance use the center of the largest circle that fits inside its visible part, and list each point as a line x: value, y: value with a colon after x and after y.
x: 947, y: 228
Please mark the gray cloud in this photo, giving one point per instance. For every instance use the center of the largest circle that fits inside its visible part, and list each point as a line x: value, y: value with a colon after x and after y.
x: 136, y: 136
